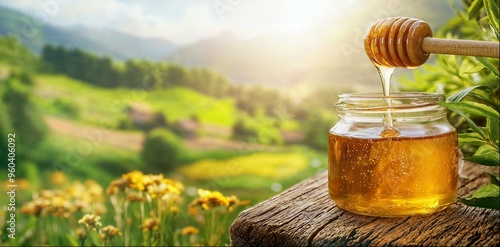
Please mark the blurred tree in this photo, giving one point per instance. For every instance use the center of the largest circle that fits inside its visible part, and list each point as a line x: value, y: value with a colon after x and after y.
x: 14, y: 53
x: 26, y: 122
x: 258, y: 129
x: 161, y: 149
x: 5, y: 129
x: 66, y: 107
x: 174, y: 75
x: 316, y: 129
x: 134, y: 74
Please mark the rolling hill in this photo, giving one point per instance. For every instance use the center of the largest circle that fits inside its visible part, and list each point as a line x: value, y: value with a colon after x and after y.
x: 105, y: 42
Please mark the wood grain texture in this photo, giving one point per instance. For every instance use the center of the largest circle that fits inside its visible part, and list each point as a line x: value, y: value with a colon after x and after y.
x: 304, y: 215
x: 461, y: 47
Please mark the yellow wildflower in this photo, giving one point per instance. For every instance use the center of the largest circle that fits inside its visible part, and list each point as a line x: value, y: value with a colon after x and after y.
x: 60, y: 206
x: 58, y: 178
x: 99, y: 208
x: 35, y: 207
x: 109, y: 232
x: 174, y: 210
x: 157, y: 186
x: 134, y: 197
x: 91, y: 221
x: 116, y: 186
x: 23, y: 184
x: 210, y: 199
x: 135, y: 180
x: 48, y: 194
x: 93, y: 188
x: 193, y: 211
x: 189, y: 230
x: 150, y: 224
x: 80, y: 233
x: 81, y: 205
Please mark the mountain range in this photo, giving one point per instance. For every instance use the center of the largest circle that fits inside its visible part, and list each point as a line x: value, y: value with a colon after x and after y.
x: 103, y: 42
x: 331, y: 54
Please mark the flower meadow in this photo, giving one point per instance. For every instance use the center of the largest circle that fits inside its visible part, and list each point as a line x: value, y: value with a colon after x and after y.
x: 135, y: 209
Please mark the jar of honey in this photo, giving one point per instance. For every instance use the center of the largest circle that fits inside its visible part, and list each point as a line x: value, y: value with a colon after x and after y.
x: 392, y: 156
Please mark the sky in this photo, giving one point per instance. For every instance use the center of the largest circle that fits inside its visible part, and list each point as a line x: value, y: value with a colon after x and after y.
x: 186, y: 21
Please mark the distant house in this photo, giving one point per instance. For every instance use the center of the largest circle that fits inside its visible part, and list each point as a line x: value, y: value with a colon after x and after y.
x: 144, y: 117
x: 292, y: 137
x: 140, y: 114
x: 187, y: 127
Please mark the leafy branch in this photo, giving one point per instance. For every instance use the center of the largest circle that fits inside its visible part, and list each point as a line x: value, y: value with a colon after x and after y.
x: 486, y: 139
x: 473, y: 84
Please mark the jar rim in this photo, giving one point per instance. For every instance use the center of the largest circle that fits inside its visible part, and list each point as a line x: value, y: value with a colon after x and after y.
x: 374, y: 103
x: 396, y: 95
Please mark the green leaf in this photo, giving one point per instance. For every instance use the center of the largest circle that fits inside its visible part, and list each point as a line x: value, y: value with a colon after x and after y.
x: 485, y: 155
x: 468, y: 66
x: 471, y: 139
x: 492, y: 8
x: 471, y: 123
x: 474, y: 9
x: 459, y: 96
x: 487, y: 196
x: 72, y: 240
x: 494, y: 178
x: 473, y: 108
x: 489, y: 66
x: 493, y: 126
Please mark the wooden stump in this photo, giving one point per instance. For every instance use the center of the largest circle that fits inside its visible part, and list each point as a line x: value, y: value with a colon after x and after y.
x: 305, y: 215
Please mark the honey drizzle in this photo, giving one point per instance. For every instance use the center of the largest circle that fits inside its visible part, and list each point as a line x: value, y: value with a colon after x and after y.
x: 385, y: 76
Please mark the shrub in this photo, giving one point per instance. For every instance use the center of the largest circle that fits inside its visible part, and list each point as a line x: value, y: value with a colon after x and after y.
x: 24, y: 118
x: 161, y: 148
x: 259, y: 129
x: 66, y: 107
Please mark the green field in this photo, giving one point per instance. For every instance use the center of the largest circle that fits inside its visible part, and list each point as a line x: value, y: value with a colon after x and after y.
x: 97, y: 105
x: 83, y: 141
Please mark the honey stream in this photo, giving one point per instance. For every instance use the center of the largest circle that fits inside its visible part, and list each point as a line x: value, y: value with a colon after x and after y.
x: 385, y: 76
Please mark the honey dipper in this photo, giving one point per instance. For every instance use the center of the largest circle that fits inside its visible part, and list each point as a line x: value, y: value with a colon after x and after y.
x: 407, y: 42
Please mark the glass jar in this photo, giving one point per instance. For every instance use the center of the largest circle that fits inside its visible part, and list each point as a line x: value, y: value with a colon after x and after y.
x: 392, y: 156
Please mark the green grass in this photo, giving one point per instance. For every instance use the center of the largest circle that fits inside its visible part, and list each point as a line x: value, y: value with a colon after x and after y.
x: 98, y: 161
x: 97, y: 105
x: 179, y: 103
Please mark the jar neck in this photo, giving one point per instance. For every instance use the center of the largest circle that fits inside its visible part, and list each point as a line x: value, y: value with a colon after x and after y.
x: 412, y: 107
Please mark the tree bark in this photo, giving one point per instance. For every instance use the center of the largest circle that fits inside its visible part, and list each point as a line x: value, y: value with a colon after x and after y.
x: 304, y: 215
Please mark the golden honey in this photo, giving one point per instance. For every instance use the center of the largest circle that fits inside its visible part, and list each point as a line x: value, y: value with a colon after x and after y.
x: 412, y: 172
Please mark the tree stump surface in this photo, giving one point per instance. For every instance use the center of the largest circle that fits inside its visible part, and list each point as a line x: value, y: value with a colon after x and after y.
x: 304, y: 215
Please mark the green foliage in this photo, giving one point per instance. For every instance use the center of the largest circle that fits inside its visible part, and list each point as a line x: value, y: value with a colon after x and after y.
x: 81, y: 65
x: 485, y: 197
x: 473, y: 84
x: 316, y: 114
x: 258, y: 129
x: 316, y: 129
x: 161, y: 149
x: 83, y: 157
x: 151, y: 76
x: 67, y: 107
x: 5, y: 129
x: 103, y: 105
x: 14, y: 53
x: 24, y: 118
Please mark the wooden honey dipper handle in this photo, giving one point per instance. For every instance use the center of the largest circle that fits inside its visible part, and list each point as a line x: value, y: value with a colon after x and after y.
x: 407, y: 42
x: 461, y: 47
